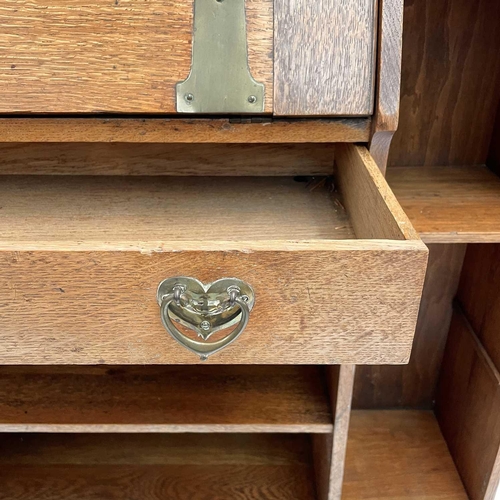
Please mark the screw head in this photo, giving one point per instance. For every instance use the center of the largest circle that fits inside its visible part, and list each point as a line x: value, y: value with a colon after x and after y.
x: 252, y: 99
x: 189, y: 98
x: 205, y: 325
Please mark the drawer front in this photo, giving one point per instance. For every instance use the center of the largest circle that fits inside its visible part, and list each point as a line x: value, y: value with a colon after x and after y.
x: 335, y: 266
x: 127, y: 56
x: 62, y: 56
x: 352, y: 305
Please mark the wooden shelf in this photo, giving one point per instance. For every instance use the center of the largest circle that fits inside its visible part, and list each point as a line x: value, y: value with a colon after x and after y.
x: 154, y: 467
x: 390, y: 455
x: 399, y: 454
x: 164, y: 399
x: 450, y: 204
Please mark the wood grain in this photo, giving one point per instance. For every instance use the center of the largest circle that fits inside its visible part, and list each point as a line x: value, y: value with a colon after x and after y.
x: 467, y: 407
x: 185, y: 466
x: 399, y: 454
x: 76, y: 307
x: 450, y: 204
x: 177, y: 130
x: 166, y: 159
x: 479, y: 295
x: 414, y: 385
x: 368, y: 199
x: 324, y: 57
x: 164, y: 399
x: 450, y: 83
x: 147, y: 212
x: 329, y: 450
x: 390, y: 39
x: 121, y: 56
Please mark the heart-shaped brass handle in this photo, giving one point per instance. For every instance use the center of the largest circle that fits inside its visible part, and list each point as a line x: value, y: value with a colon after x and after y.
x: 205, y: 309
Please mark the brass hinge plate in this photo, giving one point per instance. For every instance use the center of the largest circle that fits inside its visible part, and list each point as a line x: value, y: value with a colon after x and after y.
x: 220, y: 79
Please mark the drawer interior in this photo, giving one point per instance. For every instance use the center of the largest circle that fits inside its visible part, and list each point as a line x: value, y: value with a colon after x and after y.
x: 150, y: 212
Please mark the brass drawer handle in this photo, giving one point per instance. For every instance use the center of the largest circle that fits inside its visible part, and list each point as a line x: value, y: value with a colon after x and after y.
x: 205, y: 309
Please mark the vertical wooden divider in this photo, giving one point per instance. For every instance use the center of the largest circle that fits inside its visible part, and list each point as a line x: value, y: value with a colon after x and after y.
x: 329, y: 450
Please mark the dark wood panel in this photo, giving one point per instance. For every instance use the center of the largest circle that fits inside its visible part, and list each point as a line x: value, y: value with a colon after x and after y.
x: 414, y: 385
x: 164, y: 399
x: 155, y: 467
x: 450, y: 82
x: 166, y: 159
x: 479, y: 294
x: 494, y: 154
x: 399, y: 455
x: 468, y: 409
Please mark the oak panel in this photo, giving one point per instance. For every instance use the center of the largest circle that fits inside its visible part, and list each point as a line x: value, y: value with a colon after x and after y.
x: 324, y: 57
x: 125, y: 56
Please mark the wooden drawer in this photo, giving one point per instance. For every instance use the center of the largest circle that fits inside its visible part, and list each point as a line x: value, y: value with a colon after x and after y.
x: 337, y: 274
x: 126, y: 56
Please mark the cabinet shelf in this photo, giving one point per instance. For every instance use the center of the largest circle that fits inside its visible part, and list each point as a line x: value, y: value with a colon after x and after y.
x: 450, y: 204
x: 391, y: 454
x: 176, y: 466
x: 164, y: 399
x: 398, y: 454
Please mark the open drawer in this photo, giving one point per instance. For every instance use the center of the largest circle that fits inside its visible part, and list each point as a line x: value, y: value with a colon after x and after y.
x: 335, y: 267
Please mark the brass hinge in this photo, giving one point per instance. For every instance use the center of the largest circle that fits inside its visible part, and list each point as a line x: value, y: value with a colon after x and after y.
x: 220, y: 79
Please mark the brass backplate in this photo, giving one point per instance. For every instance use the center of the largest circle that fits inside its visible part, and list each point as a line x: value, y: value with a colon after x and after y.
x: 220, y: 79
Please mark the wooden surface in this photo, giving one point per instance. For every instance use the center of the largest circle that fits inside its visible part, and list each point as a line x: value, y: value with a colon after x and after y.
x: 137, y: 212
x: 373, y: 209
x: 167, y: 159
x: 324, y: 57
x: 468, y: 409
x: 399, y: 454
x: 121, y: 56
x: 479, y: 295
x: 450, y: 204
x: 100, y: 246
x: 450, y: 82
x: 177, y: 130
x: 329, y: 450
x: 136, y: 467
x: 164, y: 399
x: 414, y: 385
x: 83, y: 307
x: 390, y: 39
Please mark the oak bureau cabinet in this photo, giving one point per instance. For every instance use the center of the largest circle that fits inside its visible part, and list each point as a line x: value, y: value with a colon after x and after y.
x: 196, y: 236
